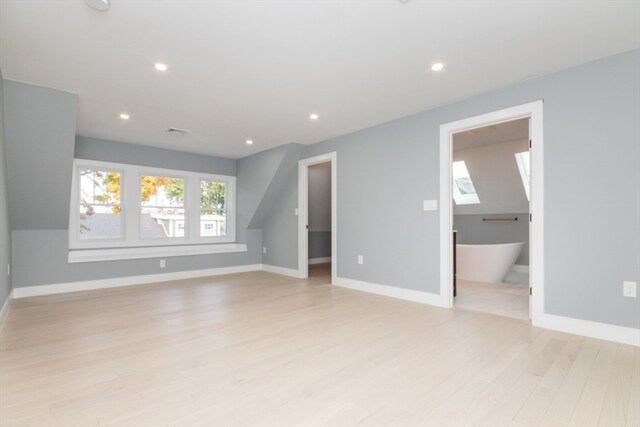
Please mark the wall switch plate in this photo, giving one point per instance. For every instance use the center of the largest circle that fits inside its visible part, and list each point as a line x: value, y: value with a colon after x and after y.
x: 264, y: 249
x: 630, y: 289
x: 162, y: 263
x: 430, y: 205
x: 296, y: 212
x: 360, y: 259
x: 8, y: 269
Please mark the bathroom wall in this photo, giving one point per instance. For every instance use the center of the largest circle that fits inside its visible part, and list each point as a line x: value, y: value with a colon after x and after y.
x: 320, y: 210
x: 473, y: 231
x: 496, y: 178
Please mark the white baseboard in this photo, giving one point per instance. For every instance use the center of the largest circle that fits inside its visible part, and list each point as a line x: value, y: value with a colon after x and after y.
x: 519, y: 268
x: 322, y: 260
x: 4, y: 311
x: 57, y: 288
x: 587, y: 328
x: 391, y: 291
x: 281, y: 270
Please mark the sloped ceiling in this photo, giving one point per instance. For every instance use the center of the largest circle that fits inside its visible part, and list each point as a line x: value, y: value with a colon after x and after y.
x: 496, y: 178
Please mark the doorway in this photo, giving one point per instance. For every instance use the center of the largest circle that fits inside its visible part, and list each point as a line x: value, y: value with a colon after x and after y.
x: 532, y: 114
x: 317, y: 222
x: 490, y: 182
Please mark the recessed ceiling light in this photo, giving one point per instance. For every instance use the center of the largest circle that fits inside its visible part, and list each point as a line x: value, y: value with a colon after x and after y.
x: 101, y: 5
x: 313, y: 116
x: 125, y: 116
x: 249, y: 142
x: 160, y: 66
x: 437, y: 66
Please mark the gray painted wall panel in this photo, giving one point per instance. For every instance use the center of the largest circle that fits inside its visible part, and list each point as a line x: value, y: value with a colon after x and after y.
x: 319, y: 244
x: 473, y: 231
x: 120, y: 152
x: 40, y: 258
x: 592, y: 205
x: 280, y: 232
x: 40, y: 130
x: 5, y: 229
x: 320, y: 197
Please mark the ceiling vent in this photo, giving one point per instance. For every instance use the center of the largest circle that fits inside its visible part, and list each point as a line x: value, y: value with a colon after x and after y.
x: 178, y: 131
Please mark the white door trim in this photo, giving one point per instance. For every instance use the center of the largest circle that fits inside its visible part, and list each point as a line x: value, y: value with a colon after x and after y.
x: 533, y: 110
x: 303, y: 213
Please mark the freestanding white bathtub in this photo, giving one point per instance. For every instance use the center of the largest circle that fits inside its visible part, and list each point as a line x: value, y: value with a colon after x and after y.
x: 486, y: 263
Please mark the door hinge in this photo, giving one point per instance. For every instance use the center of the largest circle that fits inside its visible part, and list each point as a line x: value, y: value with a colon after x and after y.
x: 529, y: 144
x: 530, y: 218
x: 530, y: 291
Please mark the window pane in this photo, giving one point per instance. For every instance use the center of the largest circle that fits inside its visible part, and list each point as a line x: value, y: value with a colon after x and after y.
x: 464, y: 193
x: 161, y: 223
x: 522, y: 159
x: 162, y: 214
x: 160, y: 191
x: 213, y: 213
x: 99, y: 211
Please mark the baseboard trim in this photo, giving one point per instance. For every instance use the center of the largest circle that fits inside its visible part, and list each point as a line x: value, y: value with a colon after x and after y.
x: 4, y: 311
x: 58, y: 288
x: 281, y: 270
x: 322, y: 260
x: 587, y: 328
x: 391, y: 291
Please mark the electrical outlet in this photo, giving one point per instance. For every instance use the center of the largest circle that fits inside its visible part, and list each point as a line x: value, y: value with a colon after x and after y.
x: 264, y: 249
x: 360, y: 259
x: 630, y: 289
x: 162, y: 263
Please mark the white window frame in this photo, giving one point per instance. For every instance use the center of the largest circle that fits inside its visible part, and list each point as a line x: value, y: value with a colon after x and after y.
x: 464, y: 199
x: 524, y: 172
x: 130, y: 203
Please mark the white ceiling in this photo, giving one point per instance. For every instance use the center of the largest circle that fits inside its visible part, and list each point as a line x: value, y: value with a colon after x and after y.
x: 515, y: 130
x: 256, y: 69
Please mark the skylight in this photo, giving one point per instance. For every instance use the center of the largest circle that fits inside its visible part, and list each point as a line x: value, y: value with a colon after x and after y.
x: 523, y: 166
x: 464, y: 193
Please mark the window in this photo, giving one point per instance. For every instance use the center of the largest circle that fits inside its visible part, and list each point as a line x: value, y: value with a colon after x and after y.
x: 99, y: 205
x: 213, y: 213
x: 162, y: 213
x: 127, y: 206
x: 464, y: 193
x: 523, y: 166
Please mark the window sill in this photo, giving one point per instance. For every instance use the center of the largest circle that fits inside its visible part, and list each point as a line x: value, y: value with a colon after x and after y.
x: 114, y: 254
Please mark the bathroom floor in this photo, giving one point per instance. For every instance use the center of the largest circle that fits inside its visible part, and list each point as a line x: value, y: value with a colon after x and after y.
x: 503, y: 299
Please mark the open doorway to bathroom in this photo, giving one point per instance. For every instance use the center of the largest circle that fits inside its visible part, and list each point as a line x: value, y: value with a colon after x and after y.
x: 490, y: 199
x: 503, y: 260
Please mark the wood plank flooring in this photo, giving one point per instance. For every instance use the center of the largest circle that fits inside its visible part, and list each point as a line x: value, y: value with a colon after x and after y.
x: 259, y: 349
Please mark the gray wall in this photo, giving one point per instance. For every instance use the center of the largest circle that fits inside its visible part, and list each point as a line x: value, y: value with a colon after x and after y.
x: 120, y: 152
x: 319, y: 244
x: 592, y: 202
x: 473, y: 231
x: 40, y: 131
x: 320, y: 210
x: 5, y: 230
x: 496, y: 178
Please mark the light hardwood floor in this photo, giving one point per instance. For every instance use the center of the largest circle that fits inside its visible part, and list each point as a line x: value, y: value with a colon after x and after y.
x: 259, y: 349
x: 503, y: 299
